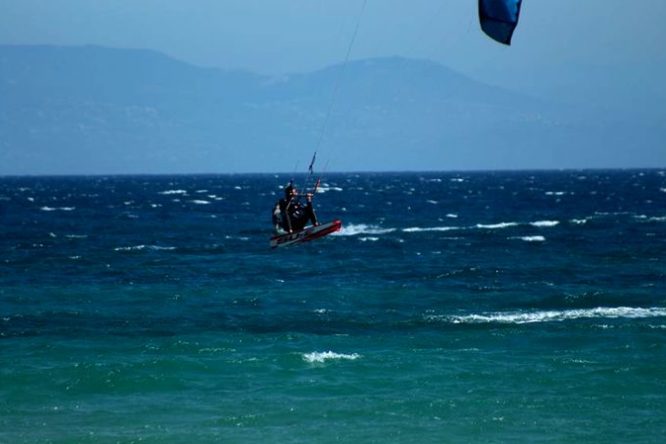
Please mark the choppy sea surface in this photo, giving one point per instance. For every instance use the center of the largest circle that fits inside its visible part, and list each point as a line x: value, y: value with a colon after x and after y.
x: 452, y: 307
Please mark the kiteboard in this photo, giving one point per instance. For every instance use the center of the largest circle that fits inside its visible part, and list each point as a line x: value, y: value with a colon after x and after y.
x: 306, y: 235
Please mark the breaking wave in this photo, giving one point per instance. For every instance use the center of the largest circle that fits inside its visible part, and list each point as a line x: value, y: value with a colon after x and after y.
x: 318, y: 357
x: 553, y: 315
x: 144, y: 247
x: 356, y: 229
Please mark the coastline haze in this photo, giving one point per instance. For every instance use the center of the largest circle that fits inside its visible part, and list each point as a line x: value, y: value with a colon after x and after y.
x: 576, y: 96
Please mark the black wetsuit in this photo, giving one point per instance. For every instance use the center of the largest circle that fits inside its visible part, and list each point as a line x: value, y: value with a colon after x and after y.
x: 294, y: 215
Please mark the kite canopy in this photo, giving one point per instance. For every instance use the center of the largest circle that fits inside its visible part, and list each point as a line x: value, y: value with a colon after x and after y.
x: 499, y: 18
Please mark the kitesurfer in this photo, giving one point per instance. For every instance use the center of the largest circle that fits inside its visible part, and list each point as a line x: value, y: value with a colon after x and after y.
x: 289, y: 215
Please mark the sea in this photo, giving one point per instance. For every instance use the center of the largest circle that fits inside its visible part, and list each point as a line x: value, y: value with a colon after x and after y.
x: 487, y: 307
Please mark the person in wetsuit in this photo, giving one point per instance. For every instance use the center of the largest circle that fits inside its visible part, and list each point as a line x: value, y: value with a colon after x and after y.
x: 289, y: 215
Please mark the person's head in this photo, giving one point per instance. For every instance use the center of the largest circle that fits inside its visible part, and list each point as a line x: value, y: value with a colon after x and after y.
x: 290, y: 191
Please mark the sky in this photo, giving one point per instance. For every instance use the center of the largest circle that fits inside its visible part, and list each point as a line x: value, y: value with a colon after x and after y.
x: 605, y: 53
x: 274, y: 37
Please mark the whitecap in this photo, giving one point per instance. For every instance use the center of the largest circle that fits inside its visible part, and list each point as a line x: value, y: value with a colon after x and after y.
x: 457, y: 179
x: 325, y: 188
x: 355, y: 229
x: 651, y: 218
x: 318, y: 357
x: 368, y: 238
x: 143, y: 247
x: 168, y: 192
x: 530, y: 238
x: 434, y: 202
x: 545, y: 223
x: 452, y: 216
x: 58, y: 208
x: 497, y: 226
x: 427, y: 229
x: 579, y: 221
x: 555, y: 193
x: 200, y: 202
x: 555, y: 315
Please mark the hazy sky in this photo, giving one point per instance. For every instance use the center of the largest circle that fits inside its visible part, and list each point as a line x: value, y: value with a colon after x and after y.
x: 603, y: 53
x: 273, y: 36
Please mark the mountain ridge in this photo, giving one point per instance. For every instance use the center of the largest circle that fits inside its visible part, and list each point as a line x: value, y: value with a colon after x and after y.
x: 94, y: 109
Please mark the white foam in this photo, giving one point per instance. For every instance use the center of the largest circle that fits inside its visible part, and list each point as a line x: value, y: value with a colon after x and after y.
x: 168, y: 192
x: 355, y: 229
x: 652, y: 218
x: 326, y: 188
x: 200, y: 202
x: 663, y: 190
x: 433, y: 202
x: 58, y: 208
x: 530, y: 238
x: 545, y: 223
x: 426, y: 229
x: 555, y: 315
x: 143, y: 247
x: 497, y: 226
x: 368, y: 239
x: 452, y: 216
x: 579, y: 221
x: 325, y: 356
x: 555, y: 193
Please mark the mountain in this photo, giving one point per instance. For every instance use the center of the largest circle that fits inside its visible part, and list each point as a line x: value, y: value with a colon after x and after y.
x: 88, y: 110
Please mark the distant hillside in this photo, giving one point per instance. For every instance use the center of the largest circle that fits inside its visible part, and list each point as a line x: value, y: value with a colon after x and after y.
x: 100, y: 110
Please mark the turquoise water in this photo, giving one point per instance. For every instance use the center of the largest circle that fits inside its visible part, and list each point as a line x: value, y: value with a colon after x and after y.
x: 452, y: 307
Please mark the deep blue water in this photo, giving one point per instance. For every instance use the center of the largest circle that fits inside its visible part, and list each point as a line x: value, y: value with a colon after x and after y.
x: 452, y: 307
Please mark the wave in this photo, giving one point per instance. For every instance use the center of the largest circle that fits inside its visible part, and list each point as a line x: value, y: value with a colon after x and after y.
x: 326, y: 188
x: 325, y: 356
x: 545, y: 223
x: 58, y: 208
x: 553, y: 315
x: 169, y: 192
x: 645, y: 218
x: 530, y: 238
x: 421, y: 230
x: 355, y: 229
x: 144, y: 247
x: 497, y: 226
x: 200, y: 202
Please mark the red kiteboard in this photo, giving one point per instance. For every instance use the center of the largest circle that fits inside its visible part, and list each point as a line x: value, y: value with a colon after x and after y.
x: 306, y: 235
